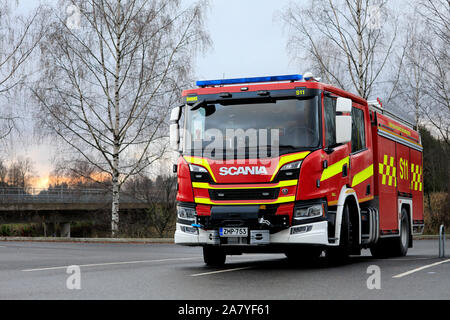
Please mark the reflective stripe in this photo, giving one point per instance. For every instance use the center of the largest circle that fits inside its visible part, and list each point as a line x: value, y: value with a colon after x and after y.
x: 366, y: 199
x: 416, y: 183
x: 389, y: 176
x: 282, y: 184
x: 334, y: 169
x: 287, y: 159
x: 400, y: 139
x: 362, y: 176
x: 283, y: 160
x: 279, y: 200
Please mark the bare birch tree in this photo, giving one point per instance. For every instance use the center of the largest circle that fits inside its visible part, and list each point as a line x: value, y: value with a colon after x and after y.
x: 112, y: 70
x: 435, y: 67
x: 160, y: 195
x: 20, y: 173
x: 424, y: 84
x: 19, y: 36
x: 348, y: 42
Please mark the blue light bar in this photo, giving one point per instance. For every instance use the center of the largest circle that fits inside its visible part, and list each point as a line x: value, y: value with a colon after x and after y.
x: 209, y: 83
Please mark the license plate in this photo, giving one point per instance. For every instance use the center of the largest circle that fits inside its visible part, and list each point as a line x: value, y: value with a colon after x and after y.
x: 233, y: 232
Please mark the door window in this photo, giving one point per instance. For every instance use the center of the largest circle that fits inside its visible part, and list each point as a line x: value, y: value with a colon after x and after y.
x: 358, y: 130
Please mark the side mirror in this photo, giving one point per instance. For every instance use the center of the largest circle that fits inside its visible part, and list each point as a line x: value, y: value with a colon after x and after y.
x: 343, y: 120
x: 175, y: 114
x: 175, y: 117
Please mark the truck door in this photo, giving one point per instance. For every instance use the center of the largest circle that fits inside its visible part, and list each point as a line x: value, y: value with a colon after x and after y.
x: 336, y: 173
x: 361, y: 159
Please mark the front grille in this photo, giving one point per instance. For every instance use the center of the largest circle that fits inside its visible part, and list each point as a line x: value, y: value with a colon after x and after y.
x: 248, y: 194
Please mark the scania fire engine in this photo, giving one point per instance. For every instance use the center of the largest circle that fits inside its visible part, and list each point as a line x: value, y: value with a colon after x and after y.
x: 291, y: 165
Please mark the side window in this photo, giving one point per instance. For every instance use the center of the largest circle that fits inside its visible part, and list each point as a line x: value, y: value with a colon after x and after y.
x: 330, y: 121
x: 358, y: 130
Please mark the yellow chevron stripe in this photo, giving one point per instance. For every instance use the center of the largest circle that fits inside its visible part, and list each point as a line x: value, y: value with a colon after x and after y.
x: 279, y: 200
x: 287, y: 159
x: 201, y: 162
x: 362, y: 176
x: 283, y: 160
x: 334, y: 169
x: 282, y: 184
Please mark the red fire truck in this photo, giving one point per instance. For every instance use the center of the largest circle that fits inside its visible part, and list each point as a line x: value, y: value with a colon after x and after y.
x: 290, y: 165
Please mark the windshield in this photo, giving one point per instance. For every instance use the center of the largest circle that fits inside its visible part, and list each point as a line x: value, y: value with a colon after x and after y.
x: 255, y: 130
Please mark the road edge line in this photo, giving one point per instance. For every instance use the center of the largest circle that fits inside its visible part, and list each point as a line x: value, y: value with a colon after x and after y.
x: 401, y: 275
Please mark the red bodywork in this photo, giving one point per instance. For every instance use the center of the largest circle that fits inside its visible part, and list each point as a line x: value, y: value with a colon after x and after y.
x: 375, y: 180
x: 399, y: 171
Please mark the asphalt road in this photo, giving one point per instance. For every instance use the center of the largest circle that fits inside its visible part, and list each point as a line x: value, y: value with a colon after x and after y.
x: 169, y: 272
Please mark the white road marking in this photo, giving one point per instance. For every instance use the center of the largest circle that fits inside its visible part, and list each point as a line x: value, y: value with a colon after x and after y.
x: 257, y: 256
x: 220, y: 271
x: 112, y: 264
x: 408, y: 259
x: 420, y: 269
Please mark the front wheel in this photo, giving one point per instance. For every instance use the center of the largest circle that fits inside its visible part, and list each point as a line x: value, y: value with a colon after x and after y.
x: 342, y: 252
x: 214, y: 256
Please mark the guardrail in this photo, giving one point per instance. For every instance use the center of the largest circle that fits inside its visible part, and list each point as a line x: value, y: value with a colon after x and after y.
x: 59, y: 195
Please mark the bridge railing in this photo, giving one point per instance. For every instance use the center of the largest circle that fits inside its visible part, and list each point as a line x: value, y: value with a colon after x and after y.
x: 59, y: 195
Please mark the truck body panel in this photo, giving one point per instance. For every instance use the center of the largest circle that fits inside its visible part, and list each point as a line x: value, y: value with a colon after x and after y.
x: 377, y: 175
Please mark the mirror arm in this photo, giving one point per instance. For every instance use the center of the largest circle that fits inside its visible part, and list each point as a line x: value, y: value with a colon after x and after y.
x: 330, y: 149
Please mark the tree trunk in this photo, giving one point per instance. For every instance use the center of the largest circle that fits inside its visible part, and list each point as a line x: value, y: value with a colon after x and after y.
x: 116, y: 173
x: 115, y: 205
x: 362, y: 89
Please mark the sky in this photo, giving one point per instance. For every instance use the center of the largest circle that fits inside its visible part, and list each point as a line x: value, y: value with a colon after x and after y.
x: 247, y: 41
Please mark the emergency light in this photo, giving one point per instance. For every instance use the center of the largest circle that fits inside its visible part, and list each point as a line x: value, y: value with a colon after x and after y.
x: 209, y: 83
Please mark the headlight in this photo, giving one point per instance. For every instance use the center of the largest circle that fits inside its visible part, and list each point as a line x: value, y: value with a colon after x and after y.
x: 292, y: 166
x: 186, y: 213
x: 308, y: 212
x: 197, y: 169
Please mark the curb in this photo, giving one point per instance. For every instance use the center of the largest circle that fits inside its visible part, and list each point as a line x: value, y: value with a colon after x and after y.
x: 90, y: 240
x: 429, y: 237
x: 136, y: 240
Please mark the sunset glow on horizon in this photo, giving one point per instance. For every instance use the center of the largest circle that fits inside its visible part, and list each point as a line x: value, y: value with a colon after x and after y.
x: 45, y: 182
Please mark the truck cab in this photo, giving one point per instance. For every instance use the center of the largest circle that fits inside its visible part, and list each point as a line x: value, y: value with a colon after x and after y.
x: 276, y: 164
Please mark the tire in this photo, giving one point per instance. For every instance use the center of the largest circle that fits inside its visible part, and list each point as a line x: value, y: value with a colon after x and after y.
x: 394, y: 247
x: 342, y: 252
x: 401, y: 244
x: 381, y: 249
x: 214, y: 256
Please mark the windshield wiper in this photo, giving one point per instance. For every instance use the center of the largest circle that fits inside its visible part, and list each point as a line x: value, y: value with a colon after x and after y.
x: 198, y: 105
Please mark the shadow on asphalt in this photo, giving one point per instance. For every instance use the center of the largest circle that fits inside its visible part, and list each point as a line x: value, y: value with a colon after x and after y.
x: 318, y: 264
x: 284, y: 264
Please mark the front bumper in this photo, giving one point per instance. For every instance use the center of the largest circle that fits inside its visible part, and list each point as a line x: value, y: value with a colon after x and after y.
x: 308, y: 234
